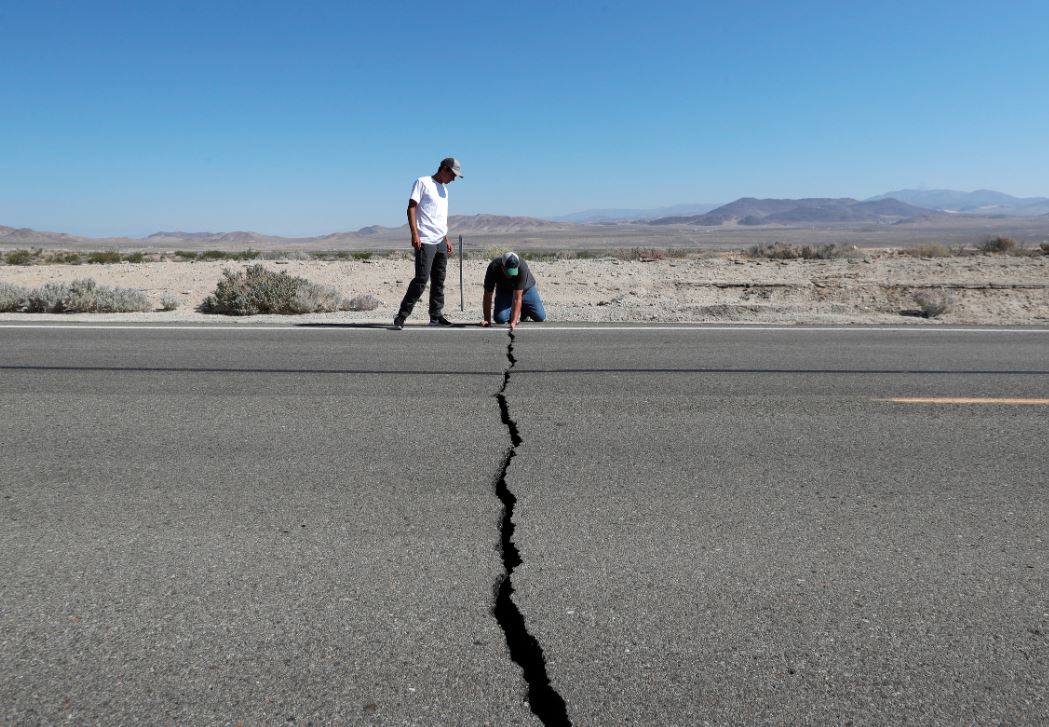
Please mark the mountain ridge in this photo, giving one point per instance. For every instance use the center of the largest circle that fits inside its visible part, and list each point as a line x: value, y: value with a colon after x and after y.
x: 979, y: 202
x: 808, y: 210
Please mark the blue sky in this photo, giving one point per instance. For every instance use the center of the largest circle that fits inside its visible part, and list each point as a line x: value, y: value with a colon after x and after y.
x: 314, y: 117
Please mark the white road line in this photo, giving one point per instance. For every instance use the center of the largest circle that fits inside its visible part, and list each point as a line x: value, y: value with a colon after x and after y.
x: 529, y: 330
x: 965, y: 400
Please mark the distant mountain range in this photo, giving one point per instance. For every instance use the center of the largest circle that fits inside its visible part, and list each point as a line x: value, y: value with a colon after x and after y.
x: 901, y: 207
x: 459, y: 224
x: 747, y: 210
x: 816, y: 210
x: 980, y: 202
x: 615, y: 214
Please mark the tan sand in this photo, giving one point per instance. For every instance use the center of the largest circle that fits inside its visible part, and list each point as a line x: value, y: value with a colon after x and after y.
x: 870, y: 289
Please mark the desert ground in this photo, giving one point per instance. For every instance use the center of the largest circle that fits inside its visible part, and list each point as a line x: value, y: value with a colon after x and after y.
x: 873, y: 286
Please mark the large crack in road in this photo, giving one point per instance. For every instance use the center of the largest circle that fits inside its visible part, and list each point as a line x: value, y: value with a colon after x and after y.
x: 525, y: 650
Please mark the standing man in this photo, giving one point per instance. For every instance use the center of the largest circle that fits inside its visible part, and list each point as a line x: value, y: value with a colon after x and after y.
x: 428, y: 221
x: 515, y: 292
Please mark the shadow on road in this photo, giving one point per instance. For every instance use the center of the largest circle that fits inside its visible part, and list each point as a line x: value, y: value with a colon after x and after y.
x: 379, y: 326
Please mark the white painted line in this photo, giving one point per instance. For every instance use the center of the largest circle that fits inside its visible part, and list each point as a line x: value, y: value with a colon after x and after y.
x: 351, y: 327
x: 965, y: 400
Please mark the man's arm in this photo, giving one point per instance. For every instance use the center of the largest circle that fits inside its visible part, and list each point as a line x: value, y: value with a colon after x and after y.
x: 486, y: 308
x: 515, y: 315
x: 416, y: 242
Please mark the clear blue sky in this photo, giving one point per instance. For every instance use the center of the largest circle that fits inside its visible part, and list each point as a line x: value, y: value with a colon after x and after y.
x: 305, y: 117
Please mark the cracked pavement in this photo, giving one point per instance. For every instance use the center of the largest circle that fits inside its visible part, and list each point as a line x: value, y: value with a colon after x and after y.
x: 719, y: 526
x: 293, y: 526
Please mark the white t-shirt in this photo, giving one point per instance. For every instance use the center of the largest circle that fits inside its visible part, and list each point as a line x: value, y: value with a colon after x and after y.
x: 431, y: 214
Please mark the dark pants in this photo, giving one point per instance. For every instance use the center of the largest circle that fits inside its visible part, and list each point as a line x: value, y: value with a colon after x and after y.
x: 431, y: 262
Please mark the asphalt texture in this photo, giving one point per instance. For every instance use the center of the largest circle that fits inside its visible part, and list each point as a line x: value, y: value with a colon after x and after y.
x: 713, y: 526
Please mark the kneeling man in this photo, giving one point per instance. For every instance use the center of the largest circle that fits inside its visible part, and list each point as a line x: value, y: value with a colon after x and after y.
x: 516, y: 294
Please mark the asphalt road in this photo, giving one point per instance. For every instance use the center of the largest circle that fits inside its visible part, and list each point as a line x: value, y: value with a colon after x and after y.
x: 724, y: 526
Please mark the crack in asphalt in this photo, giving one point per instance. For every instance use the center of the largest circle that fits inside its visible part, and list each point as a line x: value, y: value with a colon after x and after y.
x: 543, y: 699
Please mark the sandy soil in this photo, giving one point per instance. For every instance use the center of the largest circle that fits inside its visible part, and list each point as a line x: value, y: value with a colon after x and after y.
x: 875, y: 288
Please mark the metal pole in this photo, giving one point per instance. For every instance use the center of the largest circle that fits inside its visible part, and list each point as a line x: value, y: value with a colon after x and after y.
x: 462, y: 298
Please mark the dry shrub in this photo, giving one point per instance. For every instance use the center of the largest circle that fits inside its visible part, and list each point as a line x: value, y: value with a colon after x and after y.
x: 784, y: 251
x: 104, y: 257
x: 46, y: 299
x: 23, y: 257
x: 12, y: 297
x: 315, y: 298
x: 258, y: 290
x: 649, y: 254
x: 84, y: 296
x: 119, y: 300
x: 362, y: 302
x: 933, y: 303
x: 1045, y: 248
x: 934, y: 249
x: 998, y: 244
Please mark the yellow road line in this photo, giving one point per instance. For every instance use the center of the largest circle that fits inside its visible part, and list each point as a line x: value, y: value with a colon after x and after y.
x: 963, y: 400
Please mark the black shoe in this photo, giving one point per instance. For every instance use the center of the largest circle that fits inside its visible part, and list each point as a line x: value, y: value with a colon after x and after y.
x: 440, y: 321
x: 398, y: 323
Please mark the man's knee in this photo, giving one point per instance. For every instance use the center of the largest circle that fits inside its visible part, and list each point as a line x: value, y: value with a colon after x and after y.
x: 501, y: 316
x: 537, y: 316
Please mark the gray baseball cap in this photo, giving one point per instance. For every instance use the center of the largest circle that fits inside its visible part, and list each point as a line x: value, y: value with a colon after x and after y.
x: 453, y: 164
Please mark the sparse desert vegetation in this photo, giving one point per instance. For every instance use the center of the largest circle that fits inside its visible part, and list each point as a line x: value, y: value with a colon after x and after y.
x: 998, y: 244
x: 104, y: 257
x: 22, y: 257
x: 785, y: 251
x: 933, y: 303
x: 83, y: 295
x: 928, y: 250
x: 260, y: 290
x: 868, y: 285
x: 12, y: 297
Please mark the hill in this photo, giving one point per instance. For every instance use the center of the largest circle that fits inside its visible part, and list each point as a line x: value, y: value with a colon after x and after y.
x: 814, y: 210
x: 458, y: 224
x: 979, y: 202
x: 615, y: 214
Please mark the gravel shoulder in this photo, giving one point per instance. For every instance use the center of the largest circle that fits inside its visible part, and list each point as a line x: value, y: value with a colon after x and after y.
x: 877, y: 287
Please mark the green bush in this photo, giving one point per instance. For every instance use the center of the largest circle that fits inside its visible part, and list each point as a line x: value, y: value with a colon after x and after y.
x: 186, y: 254
x: 134, y: 257
x: 214, y: 255
x: 362, y: 256
x: 22, y: 257
x: 104, y: 257
x: 64, y: 258
x: 258, y: 290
